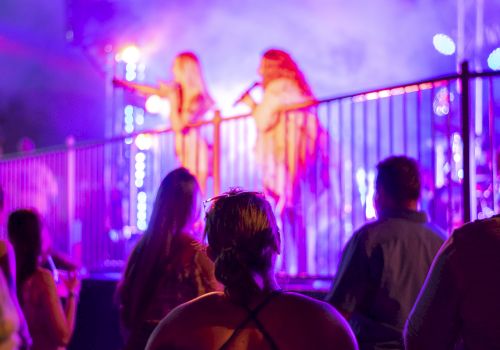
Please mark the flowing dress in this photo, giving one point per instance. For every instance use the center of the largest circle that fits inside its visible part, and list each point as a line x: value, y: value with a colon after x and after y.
x: 291, y: 150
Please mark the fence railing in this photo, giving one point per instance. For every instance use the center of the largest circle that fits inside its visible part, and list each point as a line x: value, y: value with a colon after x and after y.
x: 96, y: 197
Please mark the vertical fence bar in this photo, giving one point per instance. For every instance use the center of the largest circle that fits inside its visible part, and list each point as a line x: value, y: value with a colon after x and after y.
x: 353, y: 158
x: 341, y: 182
x: 492, y: 131
x: 405, y: 123
x: 71, y: 203
x: 419, y: 125
x: 466, y: 139
x: 217, y: 143
x: 433, y: 141
x: 379, y: 128
x: 391, y: 125
x: 365, y: 137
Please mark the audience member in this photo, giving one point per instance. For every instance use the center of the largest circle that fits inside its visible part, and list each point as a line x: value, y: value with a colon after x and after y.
x: 9, y: 315
x: 460, y: 300
x: 168, y: 265
x: 21, y: 337
x: 252, y: 313
x: 385, y: 263
x: 50, y: 325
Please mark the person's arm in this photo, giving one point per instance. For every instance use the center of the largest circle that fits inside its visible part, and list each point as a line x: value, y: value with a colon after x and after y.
x: 8, y: 266
x: 60, y: 323
x: 8, y: 263
x: 142, y: 89
x: 434, y: 321
x: 266, y: 114
x: 9, y: 320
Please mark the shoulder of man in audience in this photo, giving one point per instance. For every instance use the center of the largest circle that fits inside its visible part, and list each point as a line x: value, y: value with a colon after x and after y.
x: 488, y: 229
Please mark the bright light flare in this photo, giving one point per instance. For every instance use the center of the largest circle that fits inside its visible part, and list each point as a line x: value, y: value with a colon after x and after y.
x: 444, y: 44
x: 143, y: 142
x: 157, y: 105
x: 494, y: 59
x: 130, y: 55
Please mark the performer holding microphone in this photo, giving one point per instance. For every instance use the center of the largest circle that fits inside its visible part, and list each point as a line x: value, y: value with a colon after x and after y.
x: 290, y: 152
x: 189, y: 101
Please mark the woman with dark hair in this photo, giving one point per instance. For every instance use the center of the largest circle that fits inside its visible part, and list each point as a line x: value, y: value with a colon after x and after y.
x: 50, y: 325
x: 291, y: 150
x: 168, y: 265
x: 252, y: 312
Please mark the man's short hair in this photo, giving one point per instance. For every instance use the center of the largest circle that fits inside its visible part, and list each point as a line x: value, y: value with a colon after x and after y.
x: 399, y: 177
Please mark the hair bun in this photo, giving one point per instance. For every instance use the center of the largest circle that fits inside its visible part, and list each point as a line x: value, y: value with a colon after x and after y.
x: 228, y: 265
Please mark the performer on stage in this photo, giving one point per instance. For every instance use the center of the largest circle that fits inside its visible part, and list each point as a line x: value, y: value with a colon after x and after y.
x: 289, y: 149
x: 189, y: 101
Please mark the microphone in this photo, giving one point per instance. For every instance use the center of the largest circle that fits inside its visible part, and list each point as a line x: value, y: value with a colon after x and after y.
x: 246, y: 92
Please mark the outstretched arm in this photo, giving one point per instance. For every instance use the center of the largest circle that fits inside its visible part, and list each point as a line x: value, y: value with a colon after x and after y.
x: 142, y: 89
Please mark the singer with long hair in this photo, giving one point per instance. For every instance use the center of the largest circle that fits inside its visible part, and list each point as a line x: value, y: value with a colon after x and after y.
x: 290, y: 151
x: 189, y: 101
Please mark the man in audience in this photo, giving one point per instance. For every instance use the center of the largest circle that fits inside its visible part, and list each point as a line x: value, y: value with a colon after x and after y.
x: 460, y: 300
x: 385, y: 263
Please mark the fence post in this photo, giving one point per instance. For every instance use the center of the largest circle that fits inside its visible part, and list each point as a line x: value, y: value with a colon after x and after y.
x: 468, y: 153
x: 70, y: 172
x: 216, y: 152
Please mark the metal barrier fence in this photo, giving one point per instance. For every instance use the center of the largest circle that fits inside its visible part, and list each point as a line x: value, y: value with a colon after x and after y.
x: 95, y: 198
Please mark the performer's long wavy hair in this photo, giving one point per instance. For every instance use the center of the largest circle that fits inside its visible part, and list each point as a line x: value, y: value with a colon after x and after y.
x: 175, y: 205
x: 278, y: 64
x: 189, y: 75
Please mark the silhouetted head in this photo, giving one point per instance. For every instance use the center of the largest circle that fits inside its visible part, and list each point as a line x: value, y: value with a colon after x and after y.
x: 278, y: 64
x: 243, y: 240
x: 398, y: 183
x: 24, y: 230
x: 177, y: 205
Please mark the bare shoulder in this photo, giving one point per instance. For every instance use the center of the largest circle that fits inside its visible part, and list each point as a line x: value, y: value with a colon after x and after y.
x: 318, y: 320
x: 43, y: 278
x: 182, y: 320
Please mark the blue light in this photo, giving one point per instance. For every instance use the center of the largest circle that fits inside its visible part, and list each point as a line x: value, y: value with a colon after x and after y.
x: 444, y: 44
x: 494, y: 59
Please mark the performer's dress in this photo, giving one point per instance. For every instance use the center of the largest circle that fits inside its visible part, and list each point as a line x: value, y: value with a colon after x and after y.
x: 292, y: 154
x: 191, y: 148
